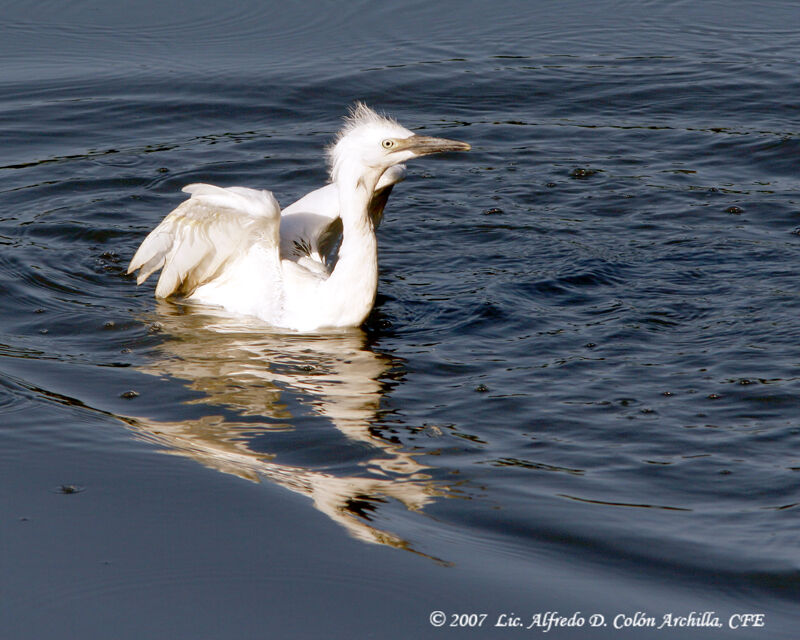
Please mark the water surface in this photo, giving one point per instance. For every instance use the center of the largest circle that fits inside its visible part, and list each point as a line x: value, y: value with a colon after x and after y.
x: 578, y: 390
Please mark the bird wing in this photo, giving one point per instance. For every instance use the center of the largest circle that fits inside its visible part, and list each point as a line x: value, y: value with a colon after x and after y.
x: 383, y: 189
x: 204, y: 234
x: 311, y: 227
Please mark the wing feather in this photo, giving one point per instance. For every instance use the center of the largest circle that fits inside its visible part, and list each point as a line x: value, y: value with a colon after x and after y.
x: 311, y: 227
x: 197, y: 240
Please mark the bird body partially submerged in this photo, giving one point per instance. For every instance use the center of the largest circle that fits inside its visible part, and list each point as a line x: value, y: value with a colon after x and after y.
x: 232, y: 247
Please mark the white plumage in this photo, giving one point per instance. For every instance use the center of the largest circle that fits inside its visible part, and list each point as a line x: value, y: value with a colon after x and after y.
x: 310, y: 228
x: 311, y: 267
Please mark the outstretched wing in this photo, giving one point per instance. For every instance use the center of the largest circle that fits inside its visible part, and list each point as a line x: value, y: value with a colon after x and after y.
x: 311, y: 227
x: 205, y: 234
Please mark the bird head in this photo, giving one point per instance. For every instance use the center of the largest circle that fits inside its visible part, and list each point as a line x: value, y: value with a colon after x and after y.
x: 370, y: 142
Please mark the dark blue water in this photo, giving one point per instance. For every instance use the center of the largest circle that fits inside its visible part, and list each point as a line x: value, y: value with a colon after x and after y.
x: 579, y: 389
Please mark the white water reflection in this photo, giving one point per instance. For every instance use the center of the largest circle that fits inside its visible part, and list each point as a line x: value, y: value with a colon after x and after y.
x: 250, y: 374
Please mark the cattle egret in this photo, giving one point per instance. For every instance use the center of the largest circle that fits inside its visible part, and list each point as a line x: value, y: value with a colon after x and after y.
x: 231, y: 247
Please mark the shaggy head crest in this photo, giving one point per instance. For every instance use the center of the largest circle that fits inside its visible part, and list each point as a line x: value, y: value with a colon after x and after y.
x: 359, y: 118
x: 360, y: 115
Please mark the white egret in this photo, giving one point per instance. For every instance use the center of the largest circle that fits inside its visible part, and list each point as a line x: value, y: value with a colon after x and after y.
x: 224, y: 246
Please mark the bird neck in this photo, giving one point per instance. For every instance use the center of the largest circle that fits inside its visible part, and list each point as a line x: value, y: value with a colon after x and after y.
x: 350, y: 290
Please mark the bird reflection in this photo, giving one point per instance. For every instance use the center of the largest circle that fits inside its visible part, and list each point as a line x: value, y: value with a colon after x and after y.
x: 249, y: 378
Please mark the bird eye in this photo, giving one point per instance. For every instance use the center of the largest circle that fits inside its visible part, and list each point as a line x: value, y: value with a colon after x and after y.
x: 387, y: 144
